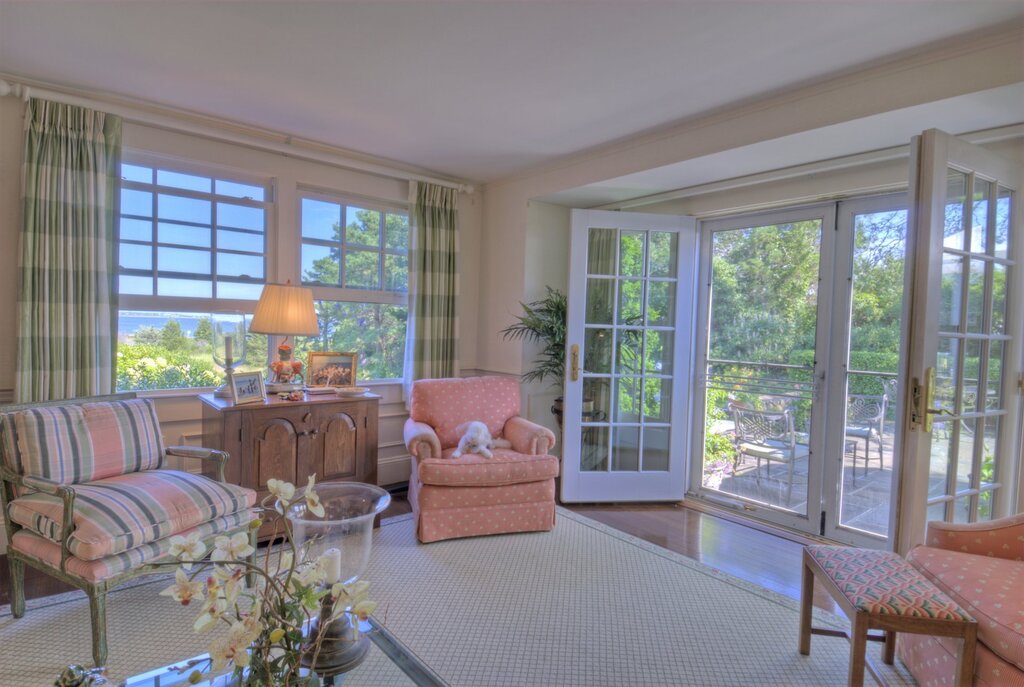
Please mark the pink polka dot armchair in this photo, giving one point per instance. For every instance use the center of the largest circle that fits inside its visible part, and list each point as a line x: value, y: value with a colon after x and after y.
x: 471, y: 495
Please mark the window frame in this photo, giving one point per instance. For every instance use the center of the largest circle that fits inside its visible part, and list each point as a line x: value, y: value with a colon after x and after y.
x: 215, y: 172
x: 331, y: 292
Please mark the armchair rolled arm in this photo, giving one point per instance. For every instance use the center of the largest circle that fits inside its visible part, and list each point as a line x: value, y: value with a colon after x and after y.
x: 528, y: 437
x: 65, y: 492
x: 1003, y: 538
x: 421, y: 440
x: 220, y: 458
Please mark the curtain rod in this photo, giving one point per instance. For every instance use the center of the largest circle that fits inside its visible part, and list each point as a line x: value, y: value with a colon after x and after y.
x: 138, y: 115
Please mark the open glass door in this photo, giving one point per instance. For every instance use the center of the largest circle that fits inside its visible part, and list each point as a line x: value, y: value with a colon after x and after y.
x: 630, y: 327
x: 963, y: 413
x: 762, y: 347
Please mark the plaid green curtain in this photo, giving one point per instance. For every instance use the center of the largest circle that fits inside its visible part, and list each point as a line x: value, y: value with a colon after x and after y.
x: 430, y: 349
x: 67, y: 305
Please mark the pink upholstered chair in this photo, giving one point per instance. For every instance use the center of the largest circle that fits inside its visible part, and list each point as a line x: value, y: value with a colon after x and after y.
x: 471, y: 495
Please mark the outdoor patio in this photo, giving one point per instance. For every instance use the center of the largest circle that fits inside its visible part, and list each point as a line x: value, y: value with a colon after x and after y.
x: 865, y: 495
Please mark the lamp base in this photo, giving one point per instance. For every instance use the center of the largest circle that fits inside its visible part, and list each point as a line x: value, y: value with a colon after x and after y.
x: 222, y: 391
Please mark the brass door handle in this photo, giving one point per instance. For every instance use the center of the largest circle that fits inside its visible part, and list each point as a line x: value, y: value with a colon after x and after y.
x: 574, y: 356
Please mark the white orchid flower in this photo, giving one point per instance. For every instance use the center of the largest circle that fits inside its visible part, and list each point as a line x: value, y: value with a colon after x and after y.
x: 189, y: 548
x: 184, y: 590
x: 313, y: 499
x: 232, y: 548
x: 282, y: 491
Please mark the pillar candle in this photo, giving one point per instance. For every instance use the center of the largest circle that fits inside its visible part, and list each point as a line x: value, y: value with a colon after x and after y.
x: 229, y: 346
x: 331, y: 559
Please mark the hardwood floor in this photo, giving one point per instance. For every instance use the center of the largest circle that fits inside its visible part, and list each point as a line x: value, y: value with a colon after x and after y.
x: 768, y: 559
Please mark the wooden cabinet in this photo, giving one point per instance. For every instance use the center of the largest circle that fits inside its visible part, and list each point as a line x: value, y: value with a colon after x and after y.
x: 332, y: 437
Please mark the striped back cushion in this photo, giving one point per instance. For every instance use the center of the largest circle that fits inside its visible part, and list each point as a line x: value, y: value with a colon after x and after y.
x: 71, y: 444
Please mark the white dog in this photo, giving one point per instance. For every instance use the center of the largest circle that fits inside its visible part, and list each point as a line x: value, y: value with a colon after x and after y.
x: 476, y: 439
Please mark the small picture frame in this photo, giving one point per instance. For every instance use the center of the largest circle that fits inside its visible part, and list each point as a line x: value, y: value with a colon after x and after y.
x: 247, y: 387
x: 331, y: 370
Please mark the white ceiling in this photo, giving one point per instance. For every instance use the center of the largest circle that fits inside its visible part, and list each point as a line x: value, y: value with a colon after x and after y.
x: 474, y: 90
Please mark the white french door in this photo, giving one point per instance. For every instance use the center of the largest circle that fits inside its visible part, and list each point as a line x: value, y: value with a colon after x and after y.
x: 630, y: 328
x: 962, y: 413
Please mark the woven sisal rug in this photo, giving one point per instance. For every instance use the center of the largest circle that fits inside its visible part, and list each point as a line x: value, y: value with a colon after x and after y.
x: 582, y: 605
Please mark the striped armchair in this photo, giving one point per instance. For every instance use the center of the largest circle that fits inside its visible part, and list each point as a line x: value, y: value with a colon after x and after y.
x: 87, y: 500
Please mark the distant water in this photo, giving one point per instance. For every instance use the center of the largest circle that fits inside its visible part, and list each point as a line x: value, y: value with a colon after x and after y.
x: 130, y: 322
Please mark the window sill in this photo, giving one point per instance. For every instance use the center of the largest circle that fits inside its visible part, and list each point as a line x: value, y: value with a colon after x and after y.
x: 193, y: 392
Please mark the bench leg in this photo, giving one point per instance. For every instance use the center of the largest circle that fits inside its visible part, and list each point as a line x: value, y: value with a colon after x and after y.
x: 965, y: 659
x: 889, y: 655
x: 98, y: 613
x: 858, y: 649
x: 17, y: 569
x: 806, y: 602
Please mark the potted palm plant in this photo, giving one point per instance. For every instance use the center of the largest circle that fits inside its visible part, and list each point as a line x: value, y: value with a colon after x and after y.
x: 544, y: 322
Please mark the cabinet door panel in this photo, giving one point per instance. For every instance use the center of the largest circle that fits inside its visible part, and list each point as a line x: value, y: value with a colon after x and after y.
x: 339, y: 445
x: 276, y: 451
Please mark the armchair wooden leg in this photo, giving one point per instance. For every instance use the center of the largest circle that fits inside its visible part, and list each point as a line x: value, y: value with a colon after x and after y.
x: 98, y: 614
x: 17, y: 569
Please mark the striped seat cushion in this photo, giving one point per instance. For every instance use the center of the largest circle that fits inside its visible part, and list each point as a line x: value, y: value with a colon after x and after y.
x: 37, y: 547
x: 72, y: 444
x: 128, y: 511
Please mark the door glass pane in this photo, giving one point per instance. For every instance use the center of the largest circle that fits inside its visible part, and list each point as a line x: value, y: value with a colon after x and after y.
x: 972, y: 376
x: 594, y: 449
x: 658, y: 353
x: 628, y: 359
x: 600, y: 301
x: 947, y: 375
x: 663, y: 257
x: 631, y: 302
x: 951, y: 283
x: 995, y: 375
x: 979, y: 216
x: 658, y: 400
x: 597, y: 398
x: 661, y: 303
x: 998, y: 325
x: 656, y: 448
x: 1001, y: 243
x: 976, y: 297
x: 762, y: 323
x: 627, y: 399
x: 965, y: 454
x: 601, y: 252
x: 631, y: 253
x: 956, y: 195
x: 876, y: 336
x: 626, y: 449
x: 597, y: 351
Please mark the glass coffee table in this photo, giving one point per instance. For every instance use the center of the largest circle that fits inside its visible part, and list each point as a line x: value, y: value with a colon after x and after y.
x: 389, y: 662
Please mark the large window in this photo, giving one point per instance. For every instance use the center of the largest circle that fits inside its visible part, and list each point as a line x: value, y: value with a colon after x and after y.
x: 192, y: 242
x: 355, y: 255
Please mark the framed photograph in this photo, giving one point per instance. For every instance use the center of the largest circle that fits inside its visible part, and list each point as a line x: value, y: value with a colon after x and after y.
x: 331, y: 369
x: 247, y: 387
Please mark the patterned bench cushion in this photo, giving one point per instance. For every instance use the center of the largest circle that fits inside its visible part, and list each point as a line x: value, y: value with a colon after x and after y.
x: 471, y: 470
x: 72, y: 444
x: 882, y: 583
x: 128, y: 511
x: 992, y: 589
x: 45, y: 550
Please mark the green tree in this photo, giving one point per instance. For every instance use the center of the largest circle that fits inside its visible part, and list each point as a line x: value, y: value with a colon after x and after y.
x: 204, y: 332
x: 172, y: 338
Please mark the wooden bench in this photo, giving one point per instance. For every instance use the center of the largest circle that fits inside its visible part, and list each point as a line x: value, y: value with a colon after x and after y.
x: 878, y: 590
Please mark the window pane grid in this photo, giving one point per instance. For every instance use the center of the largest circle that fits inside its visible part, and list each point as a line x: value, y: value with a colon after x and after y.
x: 366, y: 249
x: 182, y: 228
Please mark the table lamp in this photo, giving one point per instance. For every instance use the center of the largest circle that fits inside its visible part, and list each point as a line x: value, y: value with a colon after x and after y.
x: 285, y: 310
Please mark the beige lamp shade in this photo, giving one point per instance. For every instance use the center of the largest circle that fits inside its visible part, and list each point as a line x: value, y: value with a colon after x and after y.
x: 285, y: 310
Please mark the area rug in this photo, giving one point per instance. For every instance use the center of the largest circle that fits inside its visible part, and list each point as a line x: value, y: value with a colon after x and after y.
x: 583, y: 604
